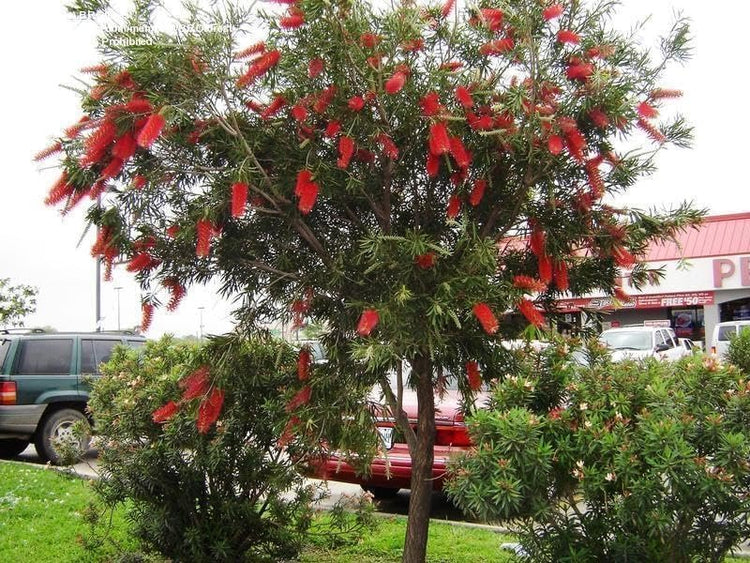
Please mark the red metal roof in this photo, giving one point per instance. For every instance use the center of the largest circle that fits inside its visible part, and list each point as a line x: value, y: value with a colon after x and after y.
x: 720, y: 235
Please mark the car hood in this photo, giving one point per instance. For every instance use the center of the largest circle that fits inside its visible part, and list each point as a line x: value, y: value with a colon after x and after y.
x: 622, y: 355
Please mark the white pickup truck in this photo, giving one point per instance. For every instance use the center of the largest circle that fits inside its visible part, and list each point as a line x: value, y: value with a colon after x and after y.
x: 640, y: 342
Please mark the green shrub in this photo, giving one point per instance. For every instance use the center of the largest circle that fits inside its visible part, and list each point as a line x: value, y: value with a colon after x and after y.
x: 739, y: 350
x: 630, y: 462
x: 206, y: 479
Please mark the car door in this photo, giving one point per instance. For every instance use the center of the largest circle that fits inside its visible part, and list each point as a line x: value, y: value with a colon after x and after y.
x: 94, y: 352
x: 675, y: 350
x: 43, y: 368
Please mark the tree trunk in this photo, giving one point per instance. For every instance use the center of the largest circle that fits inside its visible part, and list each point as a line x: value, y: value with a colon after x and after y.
x: 420, y: 501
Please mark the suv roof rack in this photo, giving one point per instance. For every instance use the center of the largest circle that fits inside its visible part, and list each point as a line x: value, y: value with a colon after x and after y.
x: 22, y: 330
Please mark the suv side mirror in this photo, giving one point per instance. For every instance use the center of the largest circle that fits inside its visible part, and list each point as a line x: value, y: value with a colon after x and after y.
x: 663, y: 347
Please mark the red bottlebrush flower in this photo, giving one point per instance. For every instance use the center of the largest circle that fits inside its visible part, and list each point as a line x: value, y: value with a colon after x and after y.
x: 304, y: 177
x: 552, y: 12
x: 459, y: 153
x: 113, y: 168
x: 346, y: 150
x: 454, y: 207
x: 390, y: 150
x: 254, y: 49
x: 413, y: 45
x: 196, y: 384
x: 308, y: 194
x: 125, y: 147
x: 651, y: 131
x: 532, y: 314
x: 544, y: 265
x: 301, y: 398
x: 125, y: 79
x: 165, y: 413
x: 486, y: 318
x: 239, y: 198
x: 49, y: 151
x: 537, y: 241
x: 367, y: 322
x: 433, y: 165
x: 430, y: 104
x: 661, y: 93
x: 356, y: 103
x: 497, y: 47
x: 259, y: 67
x: 579, y: 71
x: 621, y: 295
x: 493, y: 18
x: 567, y: 36
x: 447, y: 8
x: 287, y: 435
x: 594, y: 177
x: 141, y: 261
x: 98, y: 142
x: 95, y: 69
x: 646, y: 110
x: 369, y: 40
x: 425, y: 261
x: 555, y: 144
x: 560, y: 274
x: 394, y: 84
x: 147, y: 315
x: 273, y: 108
x: 151, y: 130
x: 59, y: 190
x: 480, y: 123
x: 74, y: 130
x: 464, y: 96
x: 622, y: 256
x: 439, y: 139
x: 332, y: 128
x: 576, y: 144
x: 477, y: 192
x: 138, y: 105
x: 315, y: 67
x: 451, y: 66
x: 176, y: 290
x: 475, y: 378
x: 295, y: 18
x: 205, y: 231
x: 299, y: 113
x: 324, y: 99
x: 139, y: 182
x: 527, y: 282
x: 209, y: 410
x: 303, y: 364
x: 173, y: 231
x: 599, y: 118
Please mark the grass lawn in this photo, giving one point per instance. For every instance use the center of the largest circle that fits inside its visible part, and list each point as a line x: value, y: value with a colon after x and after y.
x: 42, y: 520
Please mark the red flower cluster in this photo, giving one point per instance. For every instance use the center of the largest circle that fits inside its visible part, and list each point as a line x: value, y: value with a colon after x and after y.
x: 426, y: 260
x: 239, y: 198
x: 151, y: 130
x: 454, y: 207
x: 195, y: 384
x: 306, y: 190
x: 486, y: 318
x: 259, y: 67
x: 315, y: 67
x: 205, y: 232
x: 567, y: 36
x: 165, y: 413
x: 303, y: 364
x: 346, y: 151
x: 552, y: 12
x: 477, y: 192
x: 147, y: 315
x: 209, y: 410
x: 475, y: 378
x: 142, y: 261
x: 367, y: 322
x: 293, y: 19
x: 177, y: 292
x: 532, y: 314
x: 527, y: 282
x: 397, y: 80
x: 301, y: 398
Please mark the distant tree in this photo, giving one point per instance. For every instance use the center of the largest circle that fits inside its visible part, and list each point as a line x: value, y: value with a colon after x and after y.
x: 16, y: 301
x: 404, y: 174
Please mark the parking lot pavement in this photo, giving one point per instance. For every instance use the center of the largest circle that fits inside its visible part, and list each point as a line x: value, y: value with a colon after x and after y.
x: 87, y: 467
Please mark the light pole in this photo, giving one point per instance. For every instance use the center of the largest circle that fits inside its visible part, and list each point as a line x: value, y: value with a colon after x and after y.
x: 200, y: 326
x: 117, y: 289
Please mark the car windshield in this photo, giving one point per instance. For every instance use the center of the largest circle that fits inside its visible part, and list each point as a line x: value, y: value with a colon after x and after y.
x: 627, y: 340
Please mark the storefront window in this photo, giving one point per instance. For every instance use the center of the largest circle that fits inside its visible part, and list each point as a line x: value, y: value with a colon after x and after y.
x: 688, y: 323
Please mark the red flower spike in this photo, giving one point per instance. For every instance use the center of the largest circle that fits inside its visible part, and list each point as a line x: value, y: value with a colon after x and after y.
x: 390, y: 150
x: 125, y: 147
x: 426, y: 261
x: 273, y: 108
x: 480, y: 123
x: 477, y: 192
x: 138, y: 105
x: 413, y: 45
x: 301, y: 398
x: 141, y: 261
x: 395, y: 83
x: 486, y: 318
x: 177, y: 292
x: 544, y: 265
x: 99, y: 69
x: 196, y: 384
x: 532, y: 314
x: 661, y: 93
x: 537, y: 241
x: 315, y: 68
x: 459, y: 153
x: 560, y: 274
x: 529, y: 283
x: 651, y: 131
x: 599, y: 118
x: 594, y: 177
x: 303, y: 364
x: 254, y: 49
x: 552, y: 12
x: 147, y: 315
x: 369, y: 40
x: 98, y: 142
x: 173, y: 231
x: 139, y: 182
x: 646, y: 110
x: 304, y: 177
x: 433, y: 165
x: 125, y: 79
x: 205, y: 231
x: 451, y: 66
x: 497, y: 47
x: 430, y: 104
x: 447, y: 8
x: 259, y: 67
x: 59, y: 190
x: 239, y: 198
x: 579, y: 71
x: 308, y: 194
x: 324, y: 99
x: 49, y: 151
x: 299, y: 113
x: 567, y: 36
x: 346, y: 150
x: 454, y: 207
x: 287, y: 435
x: 356, y: 103
x: 623, y: 257
x: 209, y: 410
x: 367, y: 322
x: 295, y: 18
x: 113, y: 168
x: 332, y: 129
x: 464, y: 96
x: 439, y: 139
x: 74, y: 130
x: 151, y: 130
x: 555, y: 144
x: 472, y: 373
x: 493, y: 18
x: 165, y: 413
x: 576, y: 144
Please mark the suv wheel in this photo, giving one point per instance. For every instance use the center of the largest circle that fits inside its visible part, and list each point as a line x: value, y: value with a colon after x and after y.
x: 57, y: 439
x: 11, y: 447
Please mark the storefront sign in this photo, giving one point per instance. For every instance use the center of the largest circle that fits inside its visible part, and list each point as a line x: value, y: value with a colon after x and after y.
x: 655, y: 301
x: 727, y: 268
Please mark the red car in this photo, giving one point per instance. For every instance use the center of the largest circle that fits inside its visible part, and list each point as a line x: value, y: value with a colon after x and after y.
x: 392, y: 470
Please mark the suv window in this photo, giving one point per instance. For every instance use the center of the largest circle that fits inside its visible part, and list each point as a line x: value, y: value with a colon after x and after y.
x: 44, y: 357
x: 4, y: 347
x: 95, y: 352
x: 727, y: 332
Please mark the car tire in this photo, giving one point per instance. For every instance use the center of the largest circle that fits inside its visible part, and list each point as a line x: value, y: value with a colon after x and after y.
x: 59, y: 425
x: 382, y: 493
x: 11, y: 447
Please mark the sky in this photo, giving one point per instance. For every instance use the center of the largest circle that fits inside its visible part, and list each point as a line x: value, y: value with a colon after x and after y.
x: 42, y: 47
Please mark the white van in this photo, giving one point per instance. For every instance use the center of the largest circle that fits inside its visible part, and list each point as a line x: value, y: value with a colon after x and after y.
x: 641, y: 342
x: 723, y: 333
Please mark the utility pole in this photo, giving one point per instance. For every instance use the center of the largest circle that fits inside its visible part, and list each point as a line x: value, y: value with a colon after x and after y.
x: 200, y: 326
x: 117, y: 289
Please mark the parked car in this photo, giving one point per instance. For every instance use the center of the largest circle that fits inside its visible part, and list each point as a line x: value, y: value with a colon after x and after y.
x: 44, y: 387
x: 640, y: 342
x: 723, y: 333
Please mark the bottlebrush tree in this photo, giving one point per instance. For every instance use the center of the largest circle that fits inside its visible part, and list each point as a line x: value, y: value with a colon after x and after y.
x: 405, y: 174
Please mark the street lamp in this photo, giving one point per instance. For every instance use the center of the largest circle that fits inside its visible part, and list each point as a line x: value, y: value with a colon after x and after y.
x: 117, y: 289
x: 200, y: 326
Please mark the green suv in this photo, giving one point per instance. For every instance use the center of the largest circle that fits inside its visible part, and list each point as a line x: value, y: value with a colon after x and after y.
x: 44, y: 386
